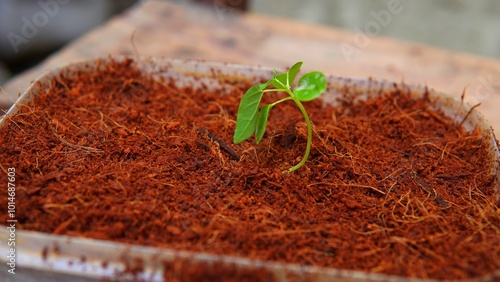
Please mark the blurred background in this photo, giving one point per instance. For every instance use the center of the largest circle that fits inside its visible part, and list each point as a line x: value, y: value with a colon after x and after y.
x: 30, y: 30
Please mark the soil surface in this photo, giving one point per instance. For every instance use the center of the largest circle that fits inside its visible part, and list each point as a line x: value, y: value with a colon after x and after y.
x: 391, y: 186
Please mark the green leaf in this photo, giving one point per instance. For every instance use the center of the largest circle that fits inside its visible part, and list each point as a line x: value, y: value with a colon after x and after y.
x: 311, y: 85
x: 247, y: 113
x: 261, y: 124
x: 285, y: 79
x: 279, y: 81
x: 292, y: 72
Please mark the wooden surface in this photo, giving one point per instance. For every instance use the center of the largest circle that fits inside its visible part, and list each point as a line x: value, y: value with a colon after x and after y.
x: 214, y: 33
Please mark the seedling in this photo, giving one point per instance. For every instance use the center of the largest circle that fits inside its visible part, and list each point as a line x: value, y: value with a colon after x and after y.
x: 251, y: 121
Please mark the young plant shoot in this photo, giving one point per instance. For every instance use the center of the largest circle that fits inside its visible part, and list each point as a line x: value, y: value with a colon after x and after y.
x: 250, y: 120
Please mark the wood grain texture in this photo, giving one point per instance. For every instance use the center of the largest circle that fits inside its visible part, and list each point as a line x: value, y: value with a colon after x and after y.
x: 215, y: 33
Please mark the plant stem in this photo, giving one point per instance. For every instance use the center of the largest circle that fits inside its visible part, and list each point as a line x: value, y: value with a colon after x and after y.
x: 282, y: 100
x: 309, y: 136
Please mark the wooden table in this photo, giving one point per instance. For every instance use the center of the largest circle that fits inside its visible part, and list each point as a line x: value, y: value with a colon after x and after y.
x: 211, y: 32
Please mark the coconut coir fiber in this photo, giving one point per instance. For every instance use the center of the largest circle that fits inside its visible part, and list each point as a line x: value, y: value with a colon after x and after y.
x: 391, y: 186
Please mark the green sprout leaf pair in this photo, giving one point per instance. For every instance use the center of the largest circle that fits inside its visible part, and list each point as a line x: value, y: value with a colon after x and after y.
x: 250, y: 120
